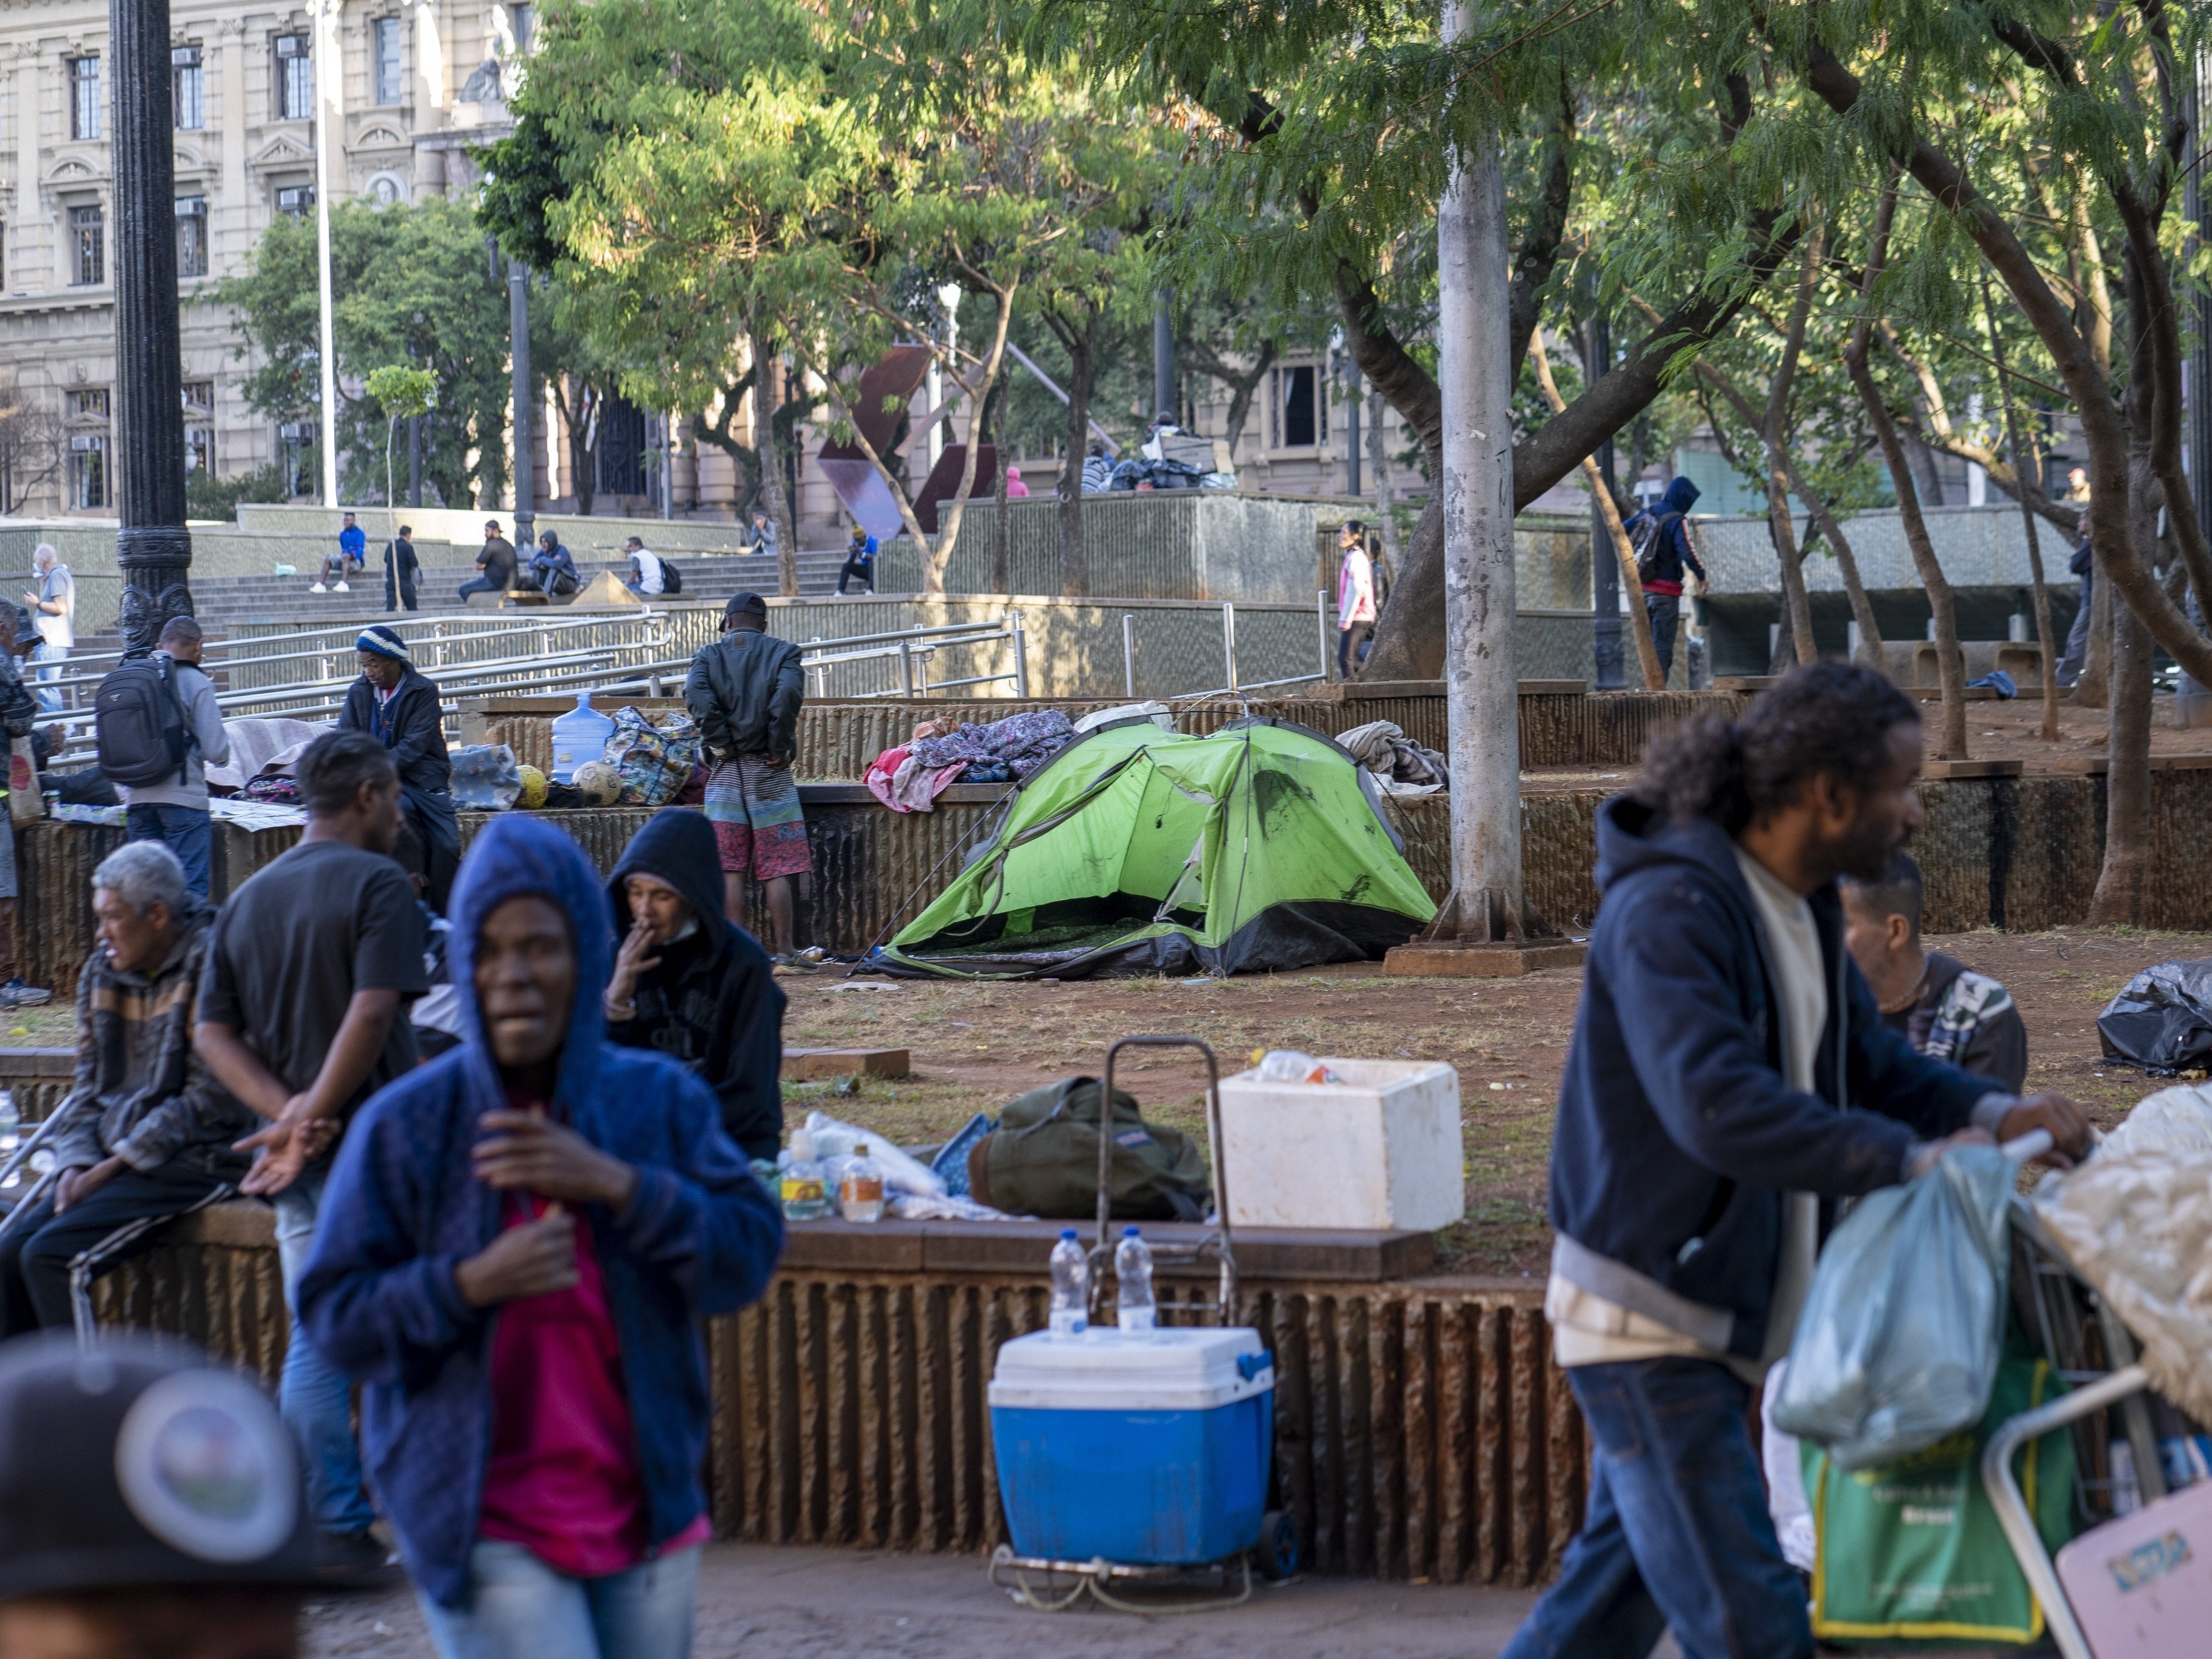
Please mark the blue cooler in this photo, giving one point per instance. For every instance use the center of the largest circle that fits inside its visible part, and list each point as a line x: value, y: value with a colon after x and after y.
x: 1150, y: 1451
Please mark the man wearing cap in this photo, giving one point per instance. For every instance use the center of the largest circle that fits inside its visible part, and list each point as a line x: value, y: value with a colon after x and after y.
x: 744, y: 690
x: 398, y: 706
x: 496, y: 562
x: 150, y: 1505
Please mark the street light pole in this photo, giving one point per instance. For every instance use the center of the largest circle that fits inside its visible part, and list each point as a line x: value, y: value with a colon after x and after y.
x: 526, y: 473
x: 153, y: 548
x: 329, y: 73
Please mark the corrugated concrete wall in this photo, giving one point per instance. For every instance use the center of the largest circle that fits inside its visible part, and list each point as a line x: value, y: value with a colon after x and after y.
x: 1421, y: 1430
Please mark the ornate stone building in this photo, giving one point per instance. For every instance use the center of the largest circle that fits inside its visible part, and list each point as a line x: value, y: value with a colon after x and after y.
x: 420, y: 82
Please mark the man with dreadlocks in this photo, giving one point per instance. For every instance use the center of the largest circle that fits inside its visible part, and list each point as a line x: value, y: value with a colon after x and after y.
x: 1729, y: 1076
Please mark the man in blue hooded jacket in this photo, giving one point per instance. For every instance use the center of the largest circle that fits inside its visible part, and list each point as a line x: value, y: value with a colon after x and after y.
x: 1730, y: 1075
x: 1667, y: 554
x: 518, y: 1244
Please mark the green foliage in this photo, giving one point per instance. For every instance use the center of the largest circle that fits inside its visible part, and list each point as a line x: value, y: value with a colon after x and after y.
x: 413, y: 286
x: 402, y: 392
x: 210, y: 497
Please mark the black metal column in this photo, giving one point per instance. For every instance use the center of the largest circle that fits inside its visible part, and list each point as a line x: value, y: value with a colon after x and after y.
x: 525, y: 443
x: 1605, y: 563
x: 2193, y: 212
x: 153, y: 548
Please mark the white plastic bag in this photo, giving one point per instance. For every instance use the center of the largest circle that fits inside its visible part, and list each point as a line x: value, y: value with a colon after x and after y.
x: 833, y: 1138
x: 1899, y: 1342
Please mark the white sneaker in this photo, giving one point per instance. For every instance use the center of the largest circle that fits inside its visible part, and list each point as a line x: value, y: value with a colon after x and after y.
x: 342, y: 588
x: 319, y: 588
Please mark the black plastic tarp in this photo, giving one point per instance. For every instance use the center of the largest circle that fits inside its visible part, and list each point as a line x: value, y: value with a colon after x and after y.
x: 2162, y: 1020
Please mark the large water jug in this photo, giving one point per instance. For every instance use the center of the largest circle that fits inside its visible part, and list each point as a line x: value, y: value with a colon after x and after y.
x: 578, y: 736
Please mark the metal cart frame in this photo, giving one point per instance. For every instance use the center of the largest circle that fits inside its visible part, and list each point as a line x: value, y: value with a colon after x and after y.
x: 1277, y: 1550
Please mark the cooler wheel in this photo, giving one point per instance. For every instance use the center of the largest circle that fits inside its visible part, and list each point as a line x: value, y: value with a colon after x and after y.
x: 1276, y: 1554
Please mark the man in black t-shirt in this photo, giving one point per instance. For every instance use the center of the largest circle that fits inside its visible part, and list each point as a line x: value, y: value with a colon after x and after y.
x: 496, y: 562
x: 301, y: 1019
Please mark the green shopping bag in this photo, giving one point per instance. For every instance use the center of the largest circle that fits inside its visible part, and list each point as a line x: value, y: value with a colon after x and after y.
x: 1911, y: 1550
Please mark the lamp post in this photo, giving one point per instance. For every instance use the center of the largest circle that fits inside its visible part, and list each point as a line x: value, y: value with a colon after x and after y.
x: 153, y: 548
x: 525, y: 474
x: 329, y: 78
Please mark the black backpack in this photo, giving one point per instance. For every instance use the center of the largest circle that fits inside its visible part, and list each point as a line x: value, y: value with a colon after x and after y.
x: 138, y: 722
x: 1646, y: 540
x: 672, y: 579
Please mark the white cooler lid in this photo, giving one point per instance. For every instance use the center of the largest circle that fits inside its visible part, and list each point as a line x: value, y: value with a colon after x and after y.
x: 1174, y: 1369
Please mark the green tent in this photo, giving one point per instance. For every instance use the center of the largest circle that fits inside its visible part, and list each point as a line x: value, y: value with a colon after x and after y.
x: 1140, y: 851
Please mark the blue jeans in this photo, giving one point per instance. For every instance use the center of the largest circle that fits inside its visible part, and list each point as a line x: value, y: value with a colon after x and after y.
x: 314, y: 1397
x: 187, y: 831
x: 1677, y: 1535
x: 51, y: 657
x: 520, y: 1608
x: 1665, y: 612
x: 479, y: 585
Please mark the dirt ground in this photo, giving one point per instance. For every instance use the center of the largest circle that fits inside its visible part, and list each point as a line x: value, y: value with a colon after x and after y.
x: 975, y: 1048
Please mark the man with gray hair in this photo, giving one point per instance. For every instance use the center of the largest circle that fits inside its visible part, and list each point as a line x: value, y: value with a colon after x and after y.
x: 174, y: 810
x: 54, y: 610
x: 145, y: 1132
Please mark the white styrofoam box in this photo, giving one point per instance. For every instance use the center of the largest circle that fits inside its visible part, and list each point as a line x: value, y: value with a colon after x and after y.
x: 1381, y: 1150
x: 1175, y: 1368
x: 2142, y: 1585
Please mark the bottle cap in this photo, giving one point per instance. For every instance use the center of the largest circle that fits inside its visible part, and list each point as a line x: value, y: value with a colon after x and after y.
x: 861, y: 1149
x: 1067, y: 1233
x: 1130, y: 1232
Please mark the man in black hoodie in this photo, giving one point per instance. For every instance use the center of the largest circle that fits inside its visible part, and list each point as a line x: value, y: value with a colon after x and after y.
x: 1729, y: 1077
x: 1668, y: 553
x: 692, y: 985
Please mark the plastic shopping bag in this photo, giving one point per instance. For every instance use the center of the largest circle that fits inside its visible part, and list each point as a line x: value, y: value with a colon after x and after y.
x: 1899, y: 1342
x: 1911, y: 1550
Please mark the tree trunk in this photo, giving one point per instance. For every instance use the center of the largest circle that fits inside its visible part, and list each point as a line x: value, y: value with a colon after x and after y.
x: 1082, y: 347
x: 1378, y: 461
x: 2028, y: 467
x: 1949, y: 669
x: 771, y: 464
x: 1411, y: 647
x: 1482, y: 693
x: 936, y: 560
x: 1772, y: 427
x: 2093, y: 686
x: 2117, y: 901
x: 995, y: 402
x: 1783, y: 533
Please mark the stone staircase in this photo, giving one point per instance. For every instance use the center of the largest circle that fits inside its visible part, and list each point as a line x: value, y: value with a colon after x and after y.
x: 221, y: 601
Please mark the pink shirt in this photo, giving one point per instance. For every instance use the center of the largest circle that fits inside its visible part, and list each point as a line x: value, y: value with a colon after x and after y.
x: 562, y: 1478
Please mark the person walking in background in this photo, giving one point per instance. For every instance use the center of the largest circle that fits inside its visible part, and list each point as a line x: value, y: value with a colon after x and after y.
x: 301, y: 1017
x: 645, y: 578
x: 1729, y: 1072
x: 2083, y: 564
x: 552, y: 568
x: 145, y: 1132
x: 744, y: 690
x: 350, y: 559
x: 53, y: 612
x: 859, y: 561
x: 1937, y: 1004
x: 18, y: 714
x: 399, y: 707
x: 691, y: 984
x: 174, y: 811
x: 400, y: 569
x: 1016, y: 489
x: 496, y: 562
x: 1667, y: 552
x: 520, y: 1243
x: 1355, y: 598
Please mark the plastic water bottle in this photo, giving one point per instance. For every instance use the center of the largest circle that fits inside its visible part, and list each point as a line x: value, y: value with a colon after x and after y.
x: 1132, y: 1275
x: 860, y: 1187
x: 800, y: 1188
x: 1071, y: 1286
x: 1289, y: 1065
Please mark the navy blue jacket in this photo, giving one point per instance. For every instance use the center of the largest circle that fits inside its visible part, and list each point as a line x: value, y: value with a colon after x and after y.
x: 1677, y: 1136
x: 1674, y: 551
x: 402, y: 1208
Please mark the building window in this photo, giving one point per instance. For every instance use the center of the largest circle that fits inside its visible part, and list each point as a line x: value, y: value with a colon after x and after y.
x: 88, y: 406
x: 199, y: 395
x: 191, y: 236
x: 199, y: 450
x: 88, y: 470
x: 1301, y: 412
x: 295, y: 78
x: 525, y: 24
x: 296, y: 199
x: 84, y: 97
x: 188, y: 86
x: 88, y: 237
x: 384, y: 58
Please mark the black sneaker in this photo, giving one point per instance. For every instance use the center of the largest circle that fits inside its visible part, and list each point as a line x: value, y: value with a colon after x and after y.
x: 16, y: 995
x: 353, y: 1560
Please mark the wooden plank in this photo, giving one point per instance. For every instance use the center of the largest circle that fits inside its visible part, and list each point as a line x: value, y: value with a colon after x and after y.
x: 813, y: 1065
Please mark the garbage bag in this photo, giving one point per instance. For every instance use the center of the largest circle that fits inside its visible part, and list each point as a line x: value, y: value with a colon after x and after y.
x: 2175, y: 1120
x: 1899, y: 1342
x: 903, y: 1173
x: 2137, y: 1225
x: 2162, y: 1020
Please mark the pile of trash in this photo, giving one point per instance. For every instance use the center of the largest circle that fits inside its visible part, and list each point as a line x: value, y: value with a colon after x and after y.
x: 2161, y: 1021
x: 910, y: 779
x: 1401, y: 766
